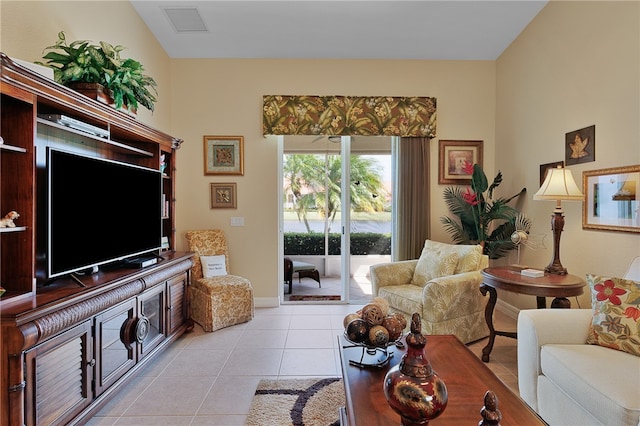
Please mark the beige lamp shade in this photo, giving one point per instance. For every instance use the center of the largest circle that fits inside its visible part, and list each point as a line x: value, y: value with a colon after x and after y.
x: 559, y: 185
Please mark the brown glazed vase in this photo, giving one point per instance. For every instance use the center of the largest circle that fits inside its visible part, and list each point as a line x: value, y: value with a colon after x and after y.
x: 412, y: 388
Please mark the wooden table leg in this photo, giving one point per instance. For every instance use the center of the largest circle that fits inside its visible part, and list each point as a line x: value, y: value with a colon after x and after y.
x: 561, y: 302
x: 488, y: 316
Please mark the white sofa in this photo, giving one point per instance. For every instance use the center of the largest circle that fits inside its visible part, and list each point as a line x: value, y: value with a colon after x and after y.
x: 569, y: 382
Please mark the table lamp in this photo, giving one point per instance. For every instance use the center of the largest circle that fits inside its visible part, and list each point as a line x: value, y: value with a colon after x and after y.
x: 558, y: 185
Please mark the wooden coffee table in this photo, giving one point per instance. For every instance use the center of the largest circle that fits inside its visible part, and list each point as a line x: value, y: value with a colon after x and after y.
x: 466, y: 377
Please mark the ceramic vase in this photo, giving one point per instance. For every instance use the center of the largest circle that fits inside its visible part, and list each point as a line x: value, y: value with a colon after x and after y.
x: 412, y: 388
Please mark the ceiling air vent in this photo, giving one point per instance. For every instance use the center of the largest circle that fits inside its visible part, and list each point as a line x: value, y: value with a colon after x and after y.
x: 186, y: 20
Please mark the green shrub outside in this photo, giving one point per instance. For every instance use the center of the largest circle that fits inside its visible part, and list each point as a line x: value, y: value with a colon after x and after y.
x: 312, y: 244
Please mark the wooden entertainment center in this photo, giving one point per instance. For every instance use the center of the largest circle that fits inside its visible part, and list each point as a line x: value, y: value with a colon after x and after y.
x: 69, y: 344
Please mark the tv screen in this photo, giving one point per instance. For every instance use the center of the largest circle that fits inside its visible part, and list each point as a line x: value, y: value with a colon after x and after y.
x: 99, y: 211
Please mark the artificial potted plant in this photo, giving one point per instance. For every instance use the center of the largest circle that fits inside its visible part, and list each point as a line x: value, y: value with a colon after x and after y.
x: 479, y: 218
x: 82, y: 61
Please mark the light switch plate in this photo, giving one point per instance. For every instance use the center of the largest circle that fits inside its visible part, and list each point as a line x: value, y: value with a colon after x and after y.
x: 237, y: 221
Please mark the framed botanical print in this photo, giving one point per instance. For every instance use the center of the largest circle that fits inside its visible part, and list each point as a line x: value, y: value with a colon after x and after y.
x: 580, y: 146
x: 223, y: 196
x: 453, y: 155
x: 612, y: 199
x: 224, y: 155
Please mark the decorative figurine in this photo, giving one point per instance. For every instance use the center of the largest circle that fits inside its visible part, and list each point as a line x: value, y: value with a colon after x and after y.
x: 7, y: 221
x: 491, y: 416
x: 412, y: 388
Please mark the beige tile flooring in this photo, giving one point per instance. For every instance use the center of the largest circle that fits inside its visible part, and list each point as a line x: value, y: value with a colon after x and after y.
x: 210, y: 378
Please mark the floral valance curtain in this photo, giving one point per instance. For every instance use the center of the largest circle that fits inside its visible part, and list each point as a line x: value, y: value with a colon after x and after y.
x: 349, y: 116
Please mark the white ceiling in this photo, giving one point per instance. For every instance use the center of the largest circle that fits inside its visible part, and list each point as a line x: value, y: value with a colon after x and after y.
x: 330, y: 29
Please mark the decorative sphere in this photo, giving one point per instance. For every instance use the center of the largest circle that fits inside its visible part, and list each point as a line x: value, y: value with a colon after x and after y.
x: 393, y: 326
x: 372, y: 314
x: 378, y: 336
x: 358, y: 330
x: 401, y: 319
x: 349, y: 318
x: 384, y: 305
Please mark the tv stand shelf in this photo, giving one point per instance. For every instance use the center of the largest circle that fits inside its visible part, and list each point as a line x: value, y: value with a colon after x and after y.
x: 98, y: 329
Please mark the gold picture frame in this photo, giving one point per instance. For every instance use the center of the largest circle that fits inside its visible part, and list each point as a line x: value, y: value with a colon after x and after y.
x: 223, y: 155
x: 452, y: 157
x: 223, y: 195
x: 612, y: 199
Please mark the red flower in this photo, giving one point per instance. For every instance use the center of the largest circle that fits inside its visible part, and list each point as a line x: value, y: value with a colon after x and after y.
x: 632, y: 312
x: 608, y: 291
x: 470, y: 197
x: 468, y: 168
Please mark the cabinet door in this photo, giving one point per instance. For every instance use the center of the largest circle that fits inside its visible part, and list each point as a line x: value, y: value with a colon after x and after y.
x: 115, y: 352
x: 151, y: 318
x: 59, y: 376
x: 177, y: 302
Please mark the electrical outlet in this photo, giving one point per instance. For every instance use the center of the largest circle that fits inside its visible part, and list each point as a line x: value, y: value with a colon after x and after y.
x: 237, y: 221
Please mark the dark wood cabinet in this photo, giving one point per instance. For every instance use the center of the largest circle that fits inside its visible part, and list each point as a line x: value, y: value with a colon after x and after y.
x: 69, y: 344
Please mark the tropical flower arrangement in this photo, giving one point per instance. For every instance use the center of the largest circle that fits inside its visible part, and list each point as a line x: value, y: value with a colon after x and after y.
x: 480, y: 218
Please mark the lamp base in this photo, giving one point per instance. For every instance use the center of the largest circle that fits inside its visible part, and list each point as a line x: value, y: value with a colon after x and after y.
x: 556, y: 269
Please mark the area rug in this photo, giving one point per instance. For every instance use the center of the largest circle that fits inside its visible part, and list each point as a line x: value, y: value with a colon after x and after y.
x: 297, y: 297
x: 297, y: 402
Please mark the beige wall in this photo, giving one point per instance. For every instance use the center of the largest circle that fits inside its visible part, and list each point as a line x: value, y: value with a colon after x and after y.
x: 224, y: 97
x: 27, y: 27
x: 575, y: 65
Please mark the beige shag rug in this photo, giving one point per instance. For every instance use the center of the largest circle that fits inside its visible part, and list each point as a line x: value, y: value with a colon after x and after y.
x: 297, y: 402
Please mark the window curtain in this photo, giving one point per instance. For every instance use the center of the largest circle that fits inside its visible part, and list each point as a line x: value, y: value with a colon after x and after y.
x: 413, y: 215
x: 349, y: 116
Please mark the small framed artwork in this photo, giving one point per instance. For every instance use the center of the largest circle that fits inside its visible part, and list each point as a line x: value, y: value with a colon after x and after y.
x: 612, y: 199
x: 453, y: 155
x: 580, y: 146
x: 224, y: 155
x: 544, y: 168
x: 223, y: 196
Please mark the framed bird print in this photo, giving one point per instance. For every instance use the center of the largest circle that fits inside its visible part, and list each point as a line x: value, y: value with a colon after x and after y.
x: 580, y: 146
x: 223, y: 196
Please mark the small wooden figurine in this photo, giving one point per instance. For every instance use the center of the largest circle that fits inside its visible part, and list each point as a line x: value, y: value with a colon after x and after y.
x: 490, y: 413
x: 7, y: 221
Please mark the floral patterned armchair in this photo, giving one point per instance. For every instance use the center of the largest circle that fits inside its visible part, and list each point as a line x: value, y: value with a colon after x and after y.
x: 221, y: 300
x: 443, y: 286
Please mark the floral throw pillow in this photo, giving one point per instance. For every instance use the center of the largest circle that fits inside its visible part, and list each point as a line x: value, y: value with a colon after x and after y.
x: 615, y: 304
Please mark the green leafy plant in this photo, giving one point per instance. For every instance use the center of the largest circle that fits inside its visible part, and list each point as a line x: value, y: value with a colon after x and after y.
x: 479, y: 218
x: 87, y: 62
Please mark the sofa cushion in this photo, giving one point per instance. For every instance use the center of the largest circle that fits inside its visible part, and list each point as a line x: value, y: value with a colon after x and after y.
x: 406, y: 298
x: 602, y: 380
x: 615, y: 306
x: 434, y: 263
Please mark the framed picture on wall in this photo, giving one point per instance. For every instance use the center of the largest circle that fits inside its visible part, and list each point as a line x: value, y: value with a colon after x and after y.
x: 612, y: 199
x: 224, y: 155
x: 544, y: 168
x: 223, y: 195
x: 580, y: 146
x: 453, y: 155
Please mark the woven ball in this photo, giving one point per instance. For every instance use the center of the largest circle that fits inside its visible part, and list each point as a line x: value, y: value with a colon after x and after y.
x: 378, y: 336
x: 372, y: 314
x: 393, y: 326
x: 384, y: 305
x: 401, y: 318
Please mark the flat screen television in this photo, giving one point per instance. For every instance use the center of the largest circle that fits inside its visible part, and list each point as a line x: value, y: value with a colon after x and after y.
x: 99, y: 211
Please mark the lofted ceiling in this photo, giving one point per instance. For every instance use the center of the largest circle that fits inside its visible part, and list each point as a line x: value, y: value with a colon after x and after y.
x: 330, y: 29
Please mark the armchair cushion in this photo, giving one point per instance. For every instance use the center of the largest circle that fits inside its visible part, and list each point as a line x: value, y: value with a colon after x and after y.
x: 213, y: 266
x: 615, y: 306
x: 434, y: 265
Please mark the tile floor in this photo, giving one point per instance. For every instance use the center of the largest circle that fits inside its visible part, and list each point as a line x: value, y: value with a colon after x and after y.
x: 210, y: 378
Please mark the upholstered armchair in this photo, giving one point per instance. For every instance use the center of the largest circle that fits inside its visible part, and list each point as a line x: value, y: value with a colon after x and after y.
x: 218, y: 299
x: 443, y: 286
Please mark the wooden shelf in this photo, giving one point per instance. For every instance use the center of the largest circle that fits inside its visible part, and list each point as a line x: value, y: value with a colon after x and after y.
x: 16, y: 229
x: 4, y: 146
